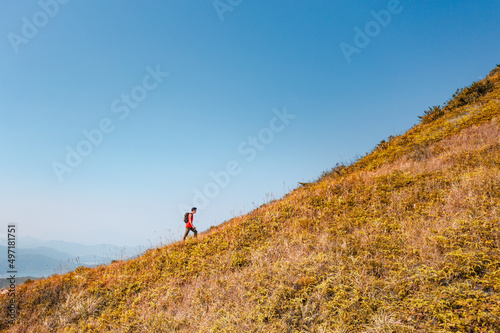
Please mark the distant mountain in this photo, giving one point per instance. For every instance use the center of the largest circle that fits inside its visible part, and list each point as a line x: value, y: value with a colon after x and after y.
x: 27, y: 242
x: 80, y: 250
x: 45, y: 251
x: 106, y: 250
x: 40, y: 258
x: 39, y: 262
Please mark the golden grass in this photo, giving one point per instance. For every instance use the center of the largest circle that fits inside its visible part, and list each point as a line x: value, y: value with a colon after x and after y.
x: 405, y: 240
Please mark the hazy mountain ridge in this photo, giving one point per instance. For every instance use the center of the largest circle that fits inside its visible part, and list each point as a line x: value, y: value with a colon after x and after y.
x: 404, y: 240
x: 39, y: 258
x: 39, y: 262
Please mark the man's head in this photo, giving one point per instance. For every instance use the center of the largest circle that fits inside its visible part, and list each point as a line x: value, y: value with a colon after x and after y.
x: 193, y: 210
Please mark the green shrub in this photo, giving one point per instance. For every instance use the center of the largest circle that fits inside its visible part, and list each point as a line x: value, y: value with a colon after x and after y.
x: 470, y: 94
x: 432, y: 114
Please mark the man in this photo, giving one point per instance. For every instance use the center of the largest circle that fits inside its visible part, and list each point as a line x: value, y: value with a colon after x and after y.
x: 189, y: 224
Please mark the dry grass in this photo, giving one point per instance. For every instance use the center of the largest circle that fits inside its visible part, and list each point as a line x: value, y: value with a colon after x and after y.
x: 405, y: 240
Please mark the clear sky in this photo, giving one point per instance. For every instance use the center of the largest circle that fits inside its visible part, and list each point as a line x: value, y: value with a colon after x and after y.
x: 117, y: 115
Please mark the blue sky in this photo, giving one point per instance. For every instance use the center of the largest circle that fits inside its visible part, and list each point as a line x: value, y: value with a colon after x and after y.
x: 180, y: 89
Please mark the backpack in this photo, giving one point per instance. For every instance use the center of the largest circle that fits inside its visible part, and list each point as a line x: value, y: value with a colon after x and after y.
x: 186, y: 217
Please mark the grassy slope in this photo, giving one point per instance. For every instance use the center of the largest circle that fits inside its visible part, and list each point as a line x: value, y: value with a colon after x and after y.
x: 405, y: 240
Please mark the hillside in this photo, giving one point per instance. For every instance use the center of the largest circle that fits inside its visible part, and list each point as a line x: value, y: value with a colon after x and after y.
x: 407, y: 239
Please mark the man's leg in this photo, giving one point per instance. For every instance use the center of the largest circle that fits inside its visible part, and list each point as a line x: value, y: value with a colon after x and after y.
x: 195, y: 232
x: 186, y: 233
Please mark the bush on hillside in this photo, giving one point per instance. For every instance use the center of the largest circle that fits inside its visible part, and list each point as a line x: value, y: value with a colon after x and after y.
x: 493, y: 72
x: 470, y: 94
x: 461, y: 97
x: 432, y: 114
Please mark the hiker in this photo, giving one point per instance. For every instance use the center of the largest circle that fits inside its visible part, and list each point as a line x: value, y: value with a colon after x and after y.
x: 188, y: 218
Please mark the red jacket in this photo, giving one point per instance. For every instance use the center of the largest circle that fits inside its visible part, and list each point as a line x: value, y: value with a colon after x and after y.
x: 190, y: 221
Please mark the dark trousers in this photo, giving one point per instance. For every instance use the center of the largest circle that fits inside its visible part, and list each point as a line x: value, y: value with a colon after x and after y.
x: 190, y: 229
